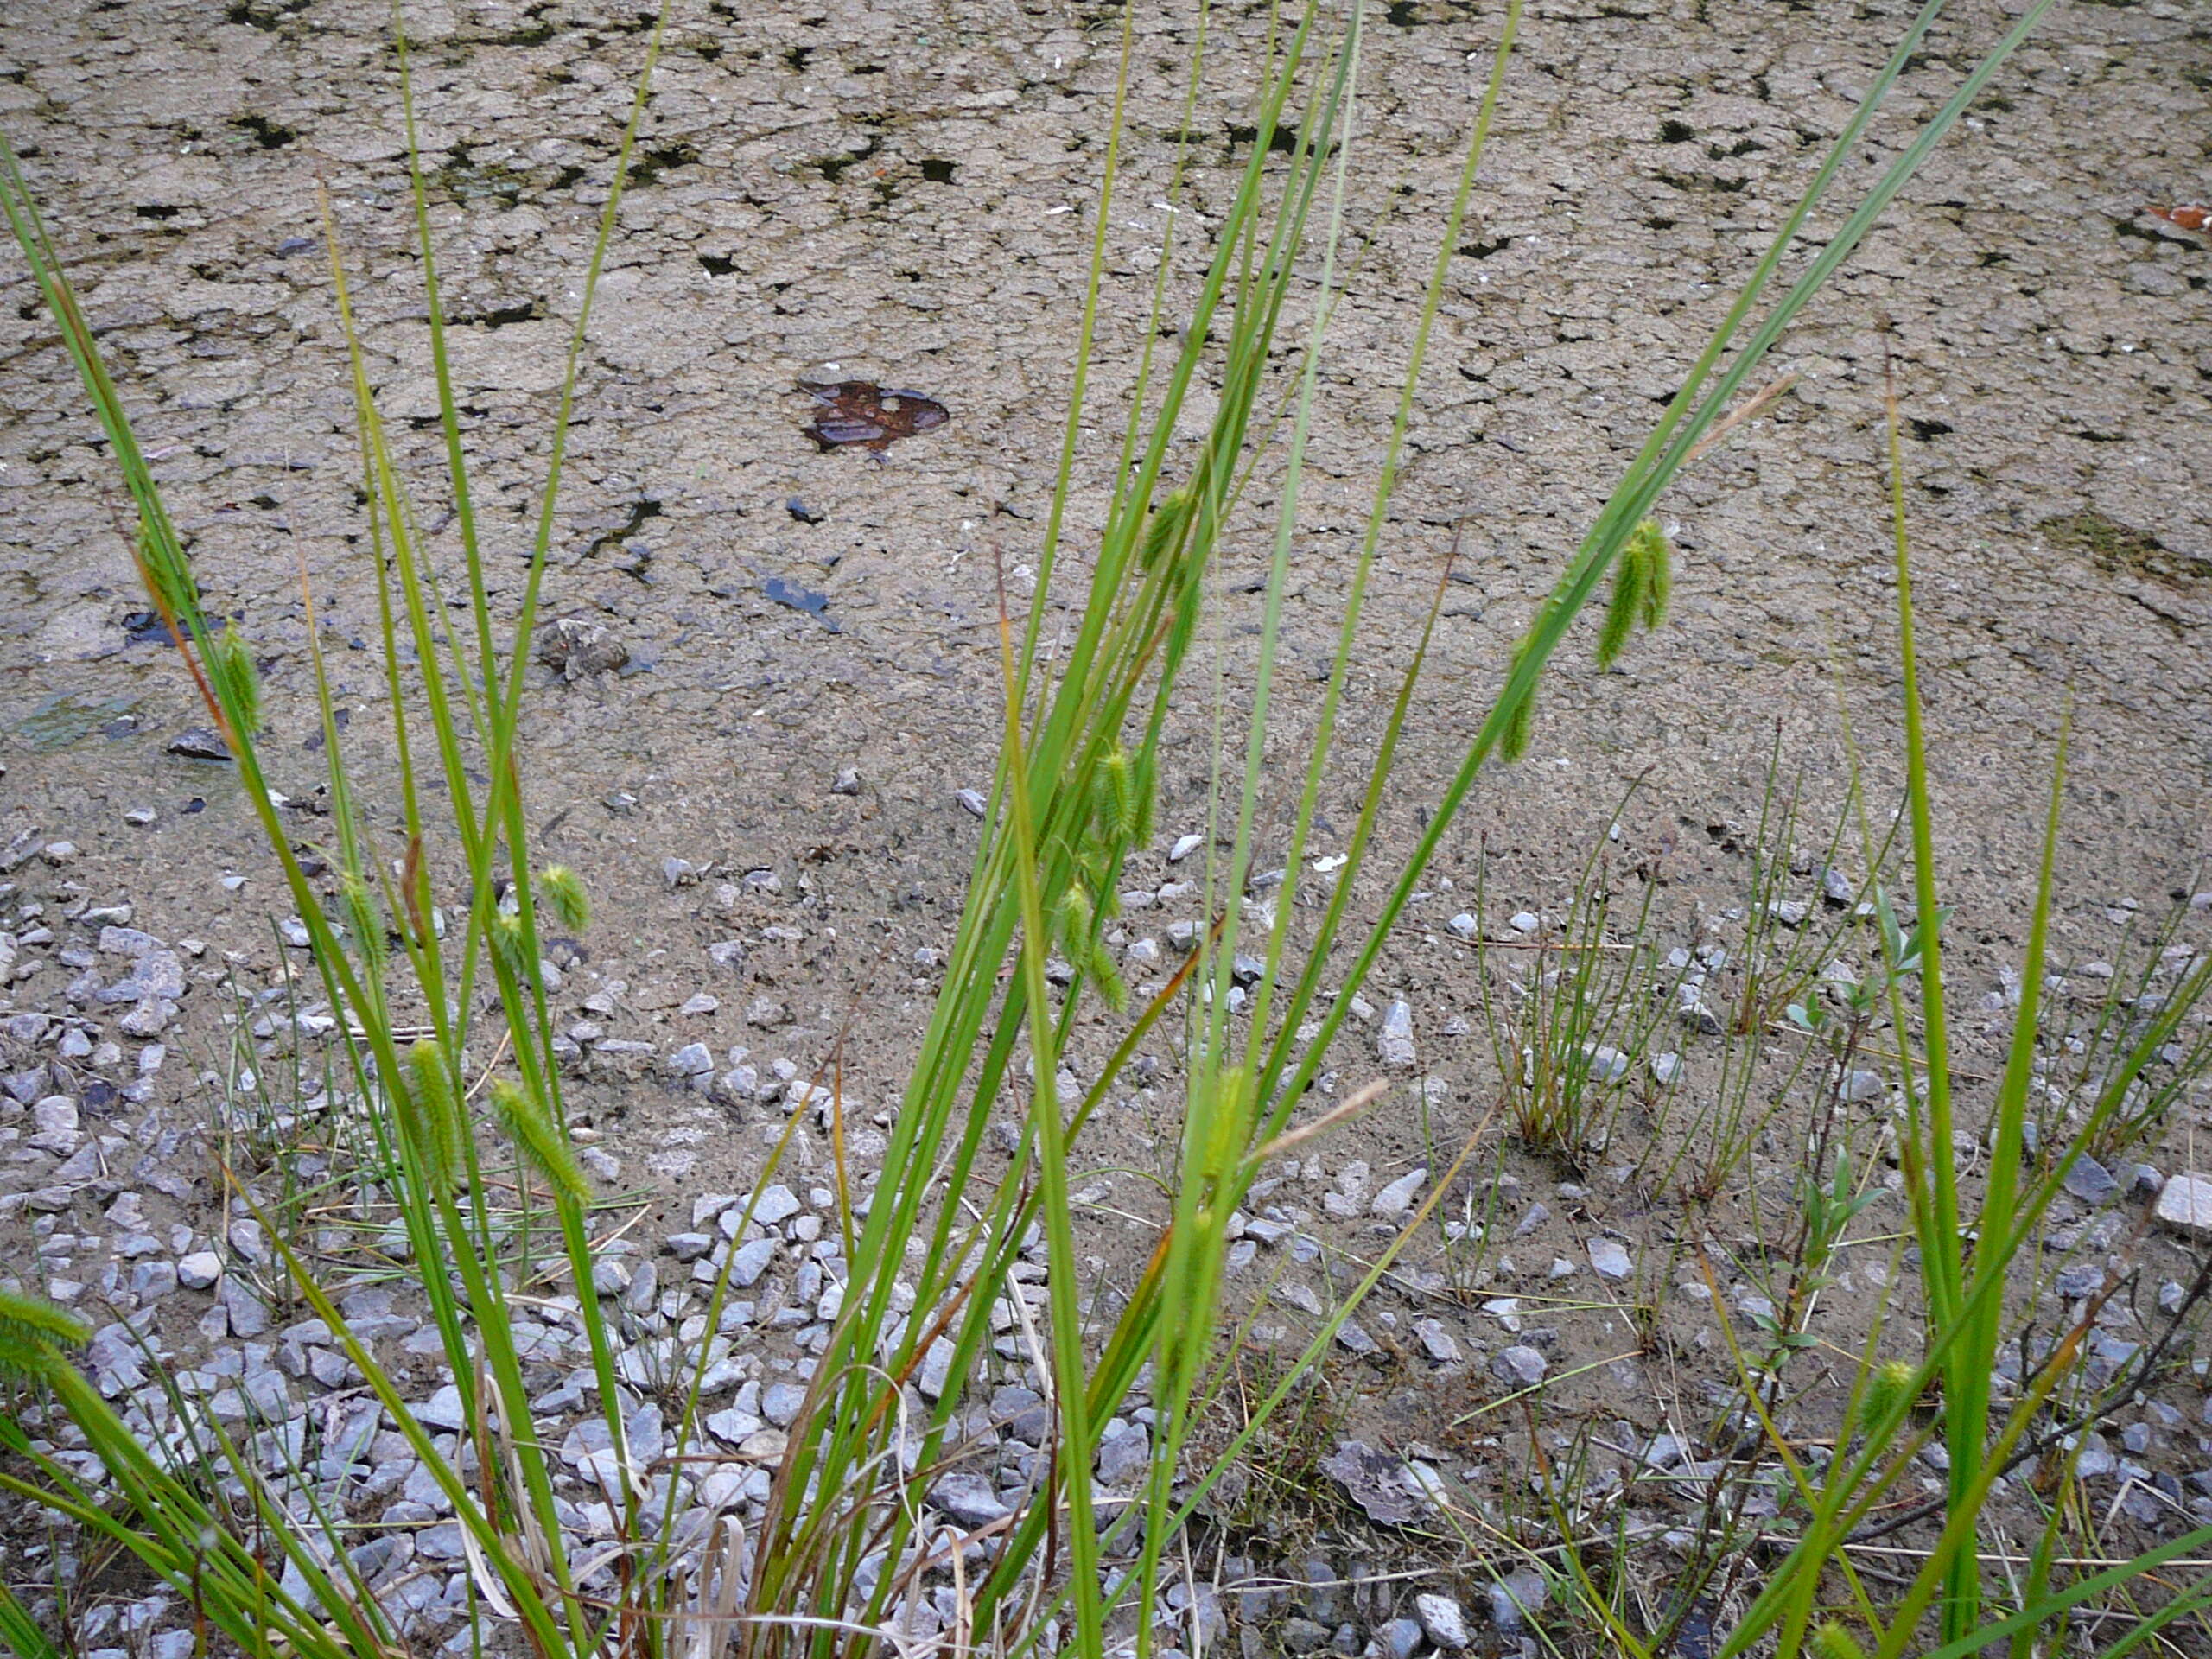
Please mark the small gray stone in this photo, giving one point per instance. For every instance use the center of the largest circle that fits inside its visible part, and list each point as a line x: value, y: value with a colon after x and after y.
x: 200, y: 1270
x: 444, y: 1409
x: 2185, y: 1205
x: 972, y: 800
x: 1519, y: 1366
x: 936, y: 1368
x: 1462, y: 926
x: 1609, y: 1258
x: 2090, y: 1181
x: 752, y: 1260
x: 733, y: 1426
x: 198, y: 743
x: 1437, y: 1342
x: 1021, y: 1412
x: 778, y: 1205
x: 1515, y: 1595
x: 1399, y: 1639
x: 2083, y: 1279
x: 151, y: 1281
x: 249, y: 1314
x: 1668, y: 1452
x: 780, y: 1403
x: 1353, y: 1336
x: 1124, y: 1453
x: 1696, y: 1015
x: 1395, y: 1041
x: 1443, y: 1621
x: 1372, y: 1479
x: 1396, y: 1198
x: 692, y: 1060
x: 970, y: 1500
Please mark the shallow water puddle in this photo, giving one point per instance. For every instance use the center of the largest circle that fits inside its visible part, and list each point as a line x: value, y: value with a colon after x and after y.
x: 69, y: 717
x: 147, y: 628
x: 861, y: 412
x: 815, y: 605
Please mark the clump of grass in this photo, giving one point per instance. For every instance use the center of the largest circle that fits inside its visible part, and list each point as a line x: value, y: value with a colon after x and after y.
x: 1572, y: 1028
x: 937, y: 1243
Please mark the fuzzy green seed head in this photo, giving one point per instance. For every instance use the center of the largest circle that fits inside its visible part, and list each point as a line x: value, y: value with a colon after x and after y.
x: 1625, y: 606
x: 1079, y: 917
x: 565, y: 897
x: 1226, y: 1130
x: 430, y: 1114
x: 1832, y: 1641
x: 505, y: 935
x: 237, y: 680
x: 1107, y: 978
x: 1656, y: 554
x: 540, y: 1141
x: 1118, y: 807
x: 1165, y: 529
x: 1513, y: 742
x: 1519, y: 726
x: 28, y: 1320
x: 1887, y: 1388
x: 171, y: 582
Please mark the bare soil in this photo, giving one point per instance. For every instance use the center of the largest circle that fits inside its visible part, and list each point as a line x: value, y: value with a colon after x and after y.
x: 903, y: 194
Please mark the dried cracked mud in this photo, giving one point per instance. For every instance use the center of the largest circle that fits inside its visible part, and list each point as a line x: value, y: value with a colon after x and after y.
x: 903, y: 194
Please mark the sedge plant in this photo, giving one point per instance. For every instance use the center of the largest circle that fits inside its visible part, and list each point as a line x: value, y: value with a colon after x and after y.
x: 939, y: 1245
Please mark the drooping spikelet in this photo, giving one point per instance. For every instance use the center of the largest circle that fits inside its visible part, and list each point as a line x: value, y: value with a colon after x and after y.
x: 431, y: 1116
x: 1079, y: 918
x: 1112, y: 990
x: 1626, y: 604
x: 1165, y: 530
x: 361, y: 915
x: 540, y: 1141
x: 565, y: 896
x: 1885, y: 1389
x: 32, y: 1324
x: 1643, y: 582
x: 1659, y: 573
x: 505, y: 935
x: 1832, y: 1641
x: 1519, y: 725
x: 237, y: 680
x: 1119, y: 808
